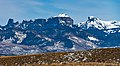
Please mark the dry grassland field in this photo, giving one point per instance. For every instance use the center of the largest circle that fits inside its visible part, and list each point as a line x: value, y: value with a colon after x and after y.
x: 96, y: 57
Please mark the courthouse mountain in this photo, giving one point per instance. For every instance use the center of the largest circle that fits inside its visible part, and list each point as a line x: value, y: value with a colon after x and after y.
x: 57, y: 34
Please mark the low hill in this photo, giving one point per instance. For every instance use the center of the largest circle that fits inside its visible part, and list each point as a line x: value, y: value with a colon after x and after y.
x: 106, y: 55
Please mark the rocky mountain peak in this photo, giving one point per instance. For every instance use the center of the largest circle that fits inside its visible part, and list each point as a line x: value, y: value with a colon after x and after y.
x: 62, y: 15
x: 92, y: 18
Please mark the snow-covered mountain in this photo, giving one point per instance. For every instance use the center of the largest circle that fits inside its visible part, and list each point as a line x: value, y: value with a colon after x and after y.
x: 100, y: 24
x: 56, y: 34
x: 108, y: 32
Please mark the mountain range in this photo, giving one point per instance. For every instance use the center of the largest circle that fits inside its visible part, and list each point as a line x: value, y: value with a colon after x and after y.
x: 57, y: 34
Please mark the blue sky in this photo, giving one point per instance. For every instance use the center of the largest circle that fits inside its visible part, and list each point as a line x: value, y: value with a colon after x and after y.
x: 79, y: 10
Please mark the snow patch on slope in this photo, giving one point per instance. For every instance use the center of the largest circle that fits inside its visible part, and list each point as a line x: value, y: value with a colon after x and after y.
x: 118, y: 30
x: 81, y: 43
x: 59, y: 46
x: 7, y: 40
x: 110, y: 31
x: 20, y: 36
x: 92, y: 38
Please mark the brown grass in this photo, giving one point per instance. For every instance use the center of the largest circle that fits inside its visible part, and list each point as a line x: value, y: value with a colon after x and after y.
x: 109, y: 56
x: 77, y: 64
